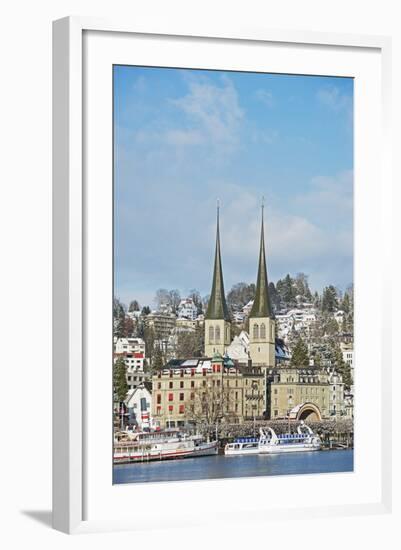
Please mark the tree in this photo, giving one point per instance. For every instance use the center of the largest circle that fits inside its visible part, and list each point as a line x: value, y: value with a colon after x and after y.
x: 145, y: 310
x: 286, y: 290
x: 337, y: 361
x: 118, y: 319
x: 149, y: 338
x: 190, y: 344
x: 329, y: 299
x: 274, y: 297
x: 239, y: 295
x: 120, y: 380
x: 197, y: 299
x: 162, y: 298
x: 302, y: 286
x: 209, y: 404
x: 300, y: 357
x: 174, y: 299
x: 134, y: 306
x: 128, y: 326
x: 158, y: 359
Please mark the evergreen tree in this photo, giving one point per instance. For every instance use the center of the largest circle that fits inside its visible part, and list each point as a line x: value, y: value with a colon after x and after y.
x: 118, y: 319
x: 286, y: 290
x: 239, y: 295
x: 274, y: 297
x: 300, y: 357
x: 345, y: 303
x: 145, y: 310
x: 120, y: 380
x: 329, y: 300
x: 158, y: 359
x: 134, y: 306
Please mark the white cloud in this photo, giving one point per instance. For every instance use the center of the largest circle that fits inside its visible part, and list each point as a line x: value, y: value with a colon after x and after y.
x: 213, y: 110
x: 265, y: 96
x: 332, y: 97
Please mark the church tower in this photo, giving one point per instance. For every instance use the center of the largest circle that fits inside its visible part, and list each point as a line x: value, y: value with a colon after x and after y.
x: 217, y: 318
x: 262, y: 331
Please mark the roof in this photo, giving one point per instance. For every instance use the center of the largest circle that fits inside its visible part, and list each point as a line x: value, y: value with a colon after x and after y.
x: 217, y: 306
x: 261, y: 305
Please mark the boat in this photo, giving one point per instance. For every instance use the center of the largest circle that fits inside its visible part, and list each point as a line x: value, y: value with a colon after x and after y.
x: 243, y: 446
x: 160, y: 445
x: 303, y: 440
x: 271, y: 443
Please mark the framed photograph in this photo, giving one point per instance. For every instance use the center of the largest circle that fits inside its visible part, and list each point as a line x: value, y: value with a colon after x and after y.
x: 220, y: 247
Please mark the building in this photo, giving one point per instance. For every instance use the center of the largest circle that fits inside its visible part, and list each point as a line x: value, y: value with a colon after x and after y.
x: 185, y: 325
x: 248, y: 377
x: 347, y: 350
x: 305, y: 394
x: 262, y: 332
x: 217, y: 318
x: 129, y: 345
x: 187, y: 309
x: 206, y: 390
x: 139, y: 406
x: 162, y: 323
x: 132, y: 350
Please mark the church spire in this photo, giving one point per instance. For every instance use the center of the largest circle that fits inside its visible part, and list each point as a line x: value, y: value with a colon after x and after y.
x: 217, y: 306
x: 261, y: 304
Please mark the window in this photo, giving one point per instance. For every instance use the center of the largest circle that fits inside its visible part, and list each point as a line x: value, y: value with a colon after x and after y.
x: 170, y: 385
x: 275, y: 413
x: 170, y: 408
x: 158, y: 410
x: 171, y: 397
x: 159, y: 398
x: 192, y: 396
x: 211, y: 334
x: 263, y: 331
x: 217, y: 334
x: 192, y: 383
x: 275, y: 391
x: 204, y: 383
x: 181, y: 397
x: 181, y: 409
x: 159, y: 385
x: 181, y: 384
x: 255, y: 331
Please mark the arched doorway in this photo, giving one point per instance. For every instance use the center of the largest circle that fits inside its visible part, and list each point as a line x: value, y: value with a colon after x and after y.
x: 307, y: 411
x: 310, y: 412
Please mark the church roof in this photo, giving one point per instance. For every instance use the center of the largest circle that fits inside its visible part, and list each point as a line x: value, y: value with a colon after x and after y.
x: 261, y: 305
x: 217, y: 306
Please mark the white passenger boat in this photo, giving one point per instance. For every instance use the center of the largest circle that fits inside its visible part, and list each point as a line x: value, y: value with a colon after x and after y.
x: 271, y: 443
x: 243, y: 446
x: 303, y: 440
x: 147, y: 446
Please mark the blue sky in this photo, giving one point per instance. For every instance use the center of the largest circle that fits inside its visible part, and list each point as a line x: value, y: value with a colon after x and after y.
x: 185, y: 138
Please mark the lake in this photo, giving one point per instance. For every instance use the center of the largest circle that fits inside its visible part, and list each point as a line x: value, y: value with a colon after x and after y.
x: 220, y: 466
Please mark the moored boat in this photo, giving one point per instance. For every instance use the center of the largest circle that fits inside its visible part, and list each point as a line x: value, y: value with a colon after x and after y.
x: 150, y: 446
x: 271, y: 443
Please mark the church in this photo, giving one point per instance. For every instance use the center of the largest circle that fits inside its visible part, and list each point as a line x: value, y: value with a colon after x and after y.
x: 237, y: 386
x: 298, y: 393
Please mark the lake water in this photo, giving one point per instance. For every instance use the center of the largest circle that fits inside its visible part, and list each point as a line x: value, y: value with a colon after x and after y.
x: 217, y: 467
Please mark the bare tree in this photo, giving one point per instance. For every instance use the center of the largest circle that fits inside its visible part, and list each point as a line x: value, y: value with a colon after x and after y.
x: 209, y: 405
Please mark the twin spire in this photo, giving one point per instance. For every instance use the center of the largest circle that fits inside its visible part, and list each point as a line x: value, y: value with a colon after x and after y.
x: 217, y: 306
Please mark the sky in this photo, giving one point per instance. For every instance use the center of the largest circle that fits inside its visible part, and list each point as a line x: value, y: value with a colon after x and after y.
x: 184, y: 139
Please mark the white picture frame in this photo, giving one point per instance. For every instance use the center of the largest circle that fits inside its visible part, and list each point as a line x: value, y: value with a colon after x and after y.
x: 71, y: 251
